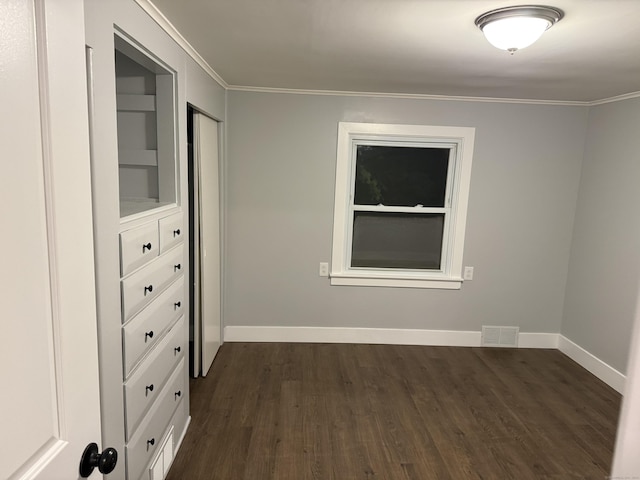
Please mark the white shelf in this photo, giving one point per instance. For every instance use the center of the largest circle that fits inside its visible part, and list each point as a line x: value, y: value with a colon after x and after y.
x: 136, y: 103
x: 132, y: 206
x: 141, y: 158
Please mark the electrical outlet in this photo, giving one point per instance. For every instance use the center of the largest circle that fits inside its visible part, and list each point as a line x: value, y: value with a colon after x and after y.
x: 468, y: 273
x: 324, y: 269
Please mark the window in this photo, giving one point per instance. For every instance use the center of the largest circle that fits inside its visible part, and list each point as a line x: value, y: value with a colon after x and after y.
x: 400, y: 205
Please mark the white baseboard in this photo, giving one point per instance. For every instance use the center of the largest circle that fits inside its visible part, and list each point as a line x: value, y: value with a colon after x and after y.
x: 538, y: 340
x: 451, y: 338
x: 590, y: 362
x: 389, y: 336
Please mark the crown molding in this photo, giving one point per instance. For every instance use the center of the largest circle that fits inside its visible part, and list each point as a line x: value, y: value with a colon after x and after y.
x: 414, y: 96
x: 173, y: 32
x: 618, y: 98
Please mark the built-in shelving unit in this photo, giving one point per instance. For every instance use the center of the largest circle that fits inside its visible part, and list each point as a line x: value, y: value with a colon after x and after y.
x: 146, y: 130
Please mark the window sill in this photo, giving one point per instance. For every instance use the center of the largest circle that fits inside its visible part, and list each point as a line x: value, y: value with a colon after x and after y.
x: 364, y: 280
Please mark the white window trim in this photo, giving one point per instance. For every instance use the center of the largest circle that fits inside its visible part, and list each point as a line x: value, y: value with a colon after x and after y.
x: 349, y: 134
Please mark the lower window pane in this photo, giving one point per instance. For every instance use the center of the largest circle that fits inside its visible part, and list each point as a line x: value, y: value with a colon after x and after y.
x: 397, y: 240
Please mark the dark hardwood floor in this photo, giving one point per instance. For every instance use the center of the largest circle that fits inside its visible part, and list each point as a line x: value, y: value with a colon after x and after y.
x: 342, y: 412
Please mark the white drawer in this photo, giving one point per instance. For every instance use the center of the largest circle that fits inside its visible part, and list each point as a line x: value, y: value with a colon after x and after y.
x: 177, y: 428
x: 144, y: 285
x: 145, y: 329
x: 171, y: 230
x: 138, y: 246
x: 145, y: 384
x: 142, y: 446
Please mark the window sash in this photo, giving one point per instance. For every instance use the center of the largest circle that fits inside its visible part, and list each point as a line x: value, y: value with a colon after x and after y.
x: 379, y: 251
x: 445, y: 263
x: 459, y: 176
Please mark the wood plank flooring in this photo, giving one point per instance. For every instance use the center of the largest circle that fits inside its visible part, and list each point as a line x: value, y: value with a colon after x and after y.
x: 342, y: 412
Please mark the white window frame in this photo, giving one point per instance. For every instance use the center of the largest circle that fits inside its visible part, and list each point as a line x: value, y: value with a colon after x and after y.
x: 460, y: 142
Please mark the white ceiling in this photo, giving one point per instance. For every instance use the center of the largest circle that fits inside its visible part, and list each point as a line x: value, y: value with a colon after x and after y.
x: 412, y: 46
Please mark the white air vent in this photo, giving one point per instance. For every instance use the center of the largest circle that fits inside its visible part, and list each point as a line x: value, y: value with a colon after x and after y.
x: 499, y: 336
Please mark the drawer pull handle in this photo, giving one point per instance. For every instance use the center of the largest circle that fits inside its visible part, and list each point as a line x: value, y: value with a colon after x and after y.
x: 177, y: 394
x: 177, y: 267
x: 148, y: 289
x: 148, y: 334
x: 151, y: 443
x: 146, y: 247
x: 147, y: 389
x: 176, y: 305
x: 176, y: 232
x: 176, y: 350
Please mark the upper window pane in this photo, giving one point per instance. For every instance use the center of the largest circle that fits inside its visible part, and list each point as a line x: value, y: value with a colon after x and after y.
x: 401, y: 176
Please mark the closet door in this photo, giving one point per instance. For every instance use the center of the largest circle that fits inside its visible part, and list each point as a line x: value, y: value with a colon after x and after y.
x: 49, y: 401
x: 206, y: 157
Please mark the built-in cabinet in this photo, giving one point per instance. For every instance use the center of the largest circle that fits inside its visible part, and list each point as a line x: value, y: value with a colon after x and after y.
x: 139, y: 185
x: 140, y: 82
x: 154, y: 347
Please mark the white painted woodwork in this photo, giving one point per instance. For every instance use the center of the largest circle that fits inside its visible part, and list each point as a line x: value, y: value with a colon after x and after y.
x: 206, y: 154
x: 148, y: 437
x: 138, y: 246
x: 145, y: 329
x: 171, y: 230
x: 626, y: 461
x: 460, y: 141
x: 49, y: 401
x: 144, y: 385
x: 120, y: 206
x: 163, y: 461
x: 166, y: 138
x: 141, y: 287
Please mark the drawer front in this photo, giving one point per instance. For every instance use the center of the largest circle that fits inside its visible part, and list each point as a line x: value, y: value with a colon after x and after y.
x: 145, y: 384
x: 171, y: 230
x: 143, y: 445
x: 138, y: 246
x: 145, y: 329
x: 147, y: 283
x: 177, y: 428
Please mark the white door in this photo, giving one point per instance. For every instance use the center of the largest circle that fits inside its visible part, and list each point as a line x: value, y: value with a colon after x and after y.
x: 49, y: 399
x: 205, y: 140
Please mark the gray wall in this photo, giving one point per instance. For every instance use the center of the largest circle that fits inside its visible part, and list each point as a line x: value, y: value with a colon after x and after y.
x: 604, y: 269
x: 280, y: 191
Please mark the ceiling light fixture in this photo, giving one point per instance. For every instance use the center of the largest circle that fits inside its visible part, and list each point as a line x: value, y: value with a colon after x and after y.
x: 513, y: 28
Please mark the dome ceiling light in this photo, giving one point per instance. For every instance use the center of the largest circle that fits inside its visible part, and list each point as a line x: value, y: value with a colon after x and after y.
x: 513, y: 28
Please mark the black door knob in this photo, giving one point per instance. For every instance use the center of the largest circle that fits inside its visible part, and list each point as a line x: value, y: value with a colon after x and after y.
x: 146, y: 247
x: 105, y: 461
